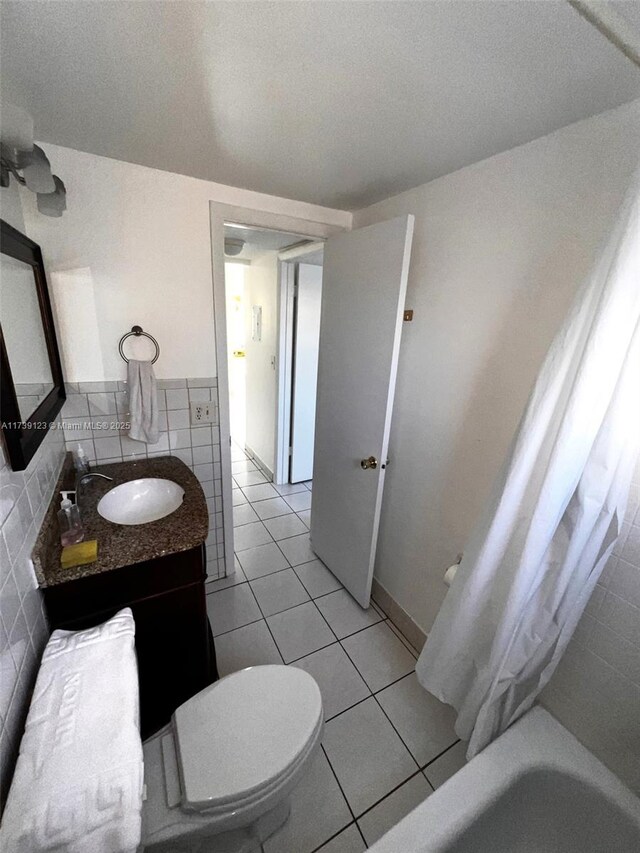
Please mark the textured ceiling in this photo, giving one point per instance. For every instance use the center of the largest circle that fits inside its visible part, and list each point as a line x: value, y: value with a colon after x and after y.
x: 338, y: 103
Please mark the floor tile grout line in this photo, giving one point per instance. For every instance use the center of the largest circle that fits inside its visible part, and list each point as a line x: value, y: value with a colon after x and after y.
x: 377, y: 607
x: 290, y: 608
x: 267, y: 624
x: 392, y: 791
x: 285, y: 609
x: 380, y: 612
x: 355, y: 704
x: 293, y: 535
x: 391, y: 683
x: 235, y: 550
x: 364, y: 840
x: 371, y: 693
x: 331, y: 838
x: 266, y: 616
x: 374, y: 695
x: 322, y: 594
x: 335, y: 776
x: 222, y: 633
x: 288, y: 560
x: 383, y: 616
x: 325, y: 620
x: 288, y: 566
x: 402, y: 638
x: 319, y: 649
x: 360, y: 630
x: 418, y: 772
x: 402, y: 741
x: 439, y: 755
x: 288, y: 537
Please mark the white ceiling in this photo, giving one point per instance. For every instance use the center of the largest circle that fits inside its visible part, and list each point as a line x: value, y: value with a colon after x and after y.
x: 338, y: 103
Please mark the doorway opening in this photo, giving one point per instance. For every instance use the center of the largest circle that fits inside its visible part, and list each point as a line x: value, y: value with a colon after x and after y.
x: 273, y: 282
x: 364, y: 281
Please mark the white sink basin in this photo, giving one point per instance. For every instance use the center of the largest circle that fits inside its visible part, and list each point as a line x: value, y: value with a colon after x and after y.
x: 141, y: 501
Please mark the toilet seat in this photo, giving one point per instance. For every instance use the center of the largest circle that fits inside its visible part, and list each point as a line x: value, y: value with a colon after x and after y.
x: 245, y: 736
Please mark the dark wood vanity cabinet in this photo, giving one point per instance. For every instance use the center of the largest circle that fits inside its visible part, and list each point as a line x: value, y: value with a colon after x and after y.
x: 174, y: 645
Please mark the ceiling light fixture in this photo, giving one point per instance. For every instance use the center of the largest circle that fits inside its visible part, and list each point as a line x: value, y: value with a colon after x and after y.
x: 233, y: 246
x: 28, y: 163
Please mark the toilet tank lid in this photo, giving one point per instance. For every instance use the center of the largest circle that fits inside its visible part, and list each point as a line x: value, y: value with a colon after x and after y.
x: 244, y: 732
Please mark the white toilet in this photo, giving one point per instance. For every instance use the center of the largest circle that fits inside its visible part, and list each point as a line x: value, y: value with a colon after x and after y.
x: 218, y: 777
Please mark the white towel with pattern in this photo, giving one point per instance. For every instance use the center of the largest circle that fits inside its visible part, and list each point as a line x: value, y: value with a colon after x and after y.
x: 78, y: 783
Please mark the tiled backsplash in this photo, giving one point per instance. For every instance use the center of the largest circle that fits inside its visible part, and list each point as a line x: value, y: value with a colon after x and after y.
x: 24, y: 498
x: 96, y: 414
x: 595, y: 691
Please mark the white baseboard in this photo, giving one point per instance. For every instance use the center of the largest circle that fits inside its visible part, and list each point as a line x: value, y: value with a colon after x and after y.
x: 261, y: 465
x: 398, y: 615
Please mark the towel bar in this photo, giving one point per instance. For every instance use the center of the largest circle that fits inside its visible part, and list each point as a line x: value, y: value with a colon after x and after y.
x: 138, y: 331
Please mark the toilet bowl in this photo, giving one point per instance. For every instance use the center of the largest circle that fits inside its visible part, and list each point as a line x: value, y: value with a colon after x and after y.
x: 218, y: 777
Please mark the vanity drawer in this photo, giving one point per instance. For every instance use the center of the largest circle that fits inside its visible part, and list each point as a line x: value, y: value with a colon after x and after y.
x: 81, y: 598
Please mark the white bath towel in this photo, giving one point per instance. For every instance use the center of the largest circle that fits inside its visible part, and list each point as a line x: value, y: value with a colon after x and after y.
x: 143, y: 402
x: 78, y: 783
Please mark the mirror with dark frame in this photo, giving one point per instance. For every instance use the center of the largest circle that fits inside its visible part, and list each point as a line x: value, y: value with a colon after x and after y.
x: 32, y: 386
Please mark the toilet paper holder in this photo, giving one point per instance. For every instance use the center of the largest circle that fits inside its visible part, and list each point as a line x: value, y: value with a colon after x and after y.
x: 450, y: 574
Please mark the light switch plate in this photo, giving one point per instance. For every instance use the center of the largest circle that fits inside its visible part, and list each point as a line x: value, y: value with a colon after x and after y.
x: 256, y: 323
x: 204, y: 412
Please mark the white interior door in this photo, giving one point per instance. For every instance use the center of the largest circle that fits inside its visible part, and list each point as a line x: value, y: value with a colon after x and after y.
x: 305, y: 370
x: 363, y: 295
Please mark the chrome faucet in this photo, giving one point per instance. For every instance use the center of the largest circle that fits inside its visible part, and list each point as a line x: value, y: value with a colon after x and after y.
x: 82, y: 478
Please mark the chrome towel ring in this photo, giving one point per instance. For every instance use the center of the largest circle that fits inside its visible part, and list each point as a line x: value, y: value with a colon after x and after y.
x: 138, y: 331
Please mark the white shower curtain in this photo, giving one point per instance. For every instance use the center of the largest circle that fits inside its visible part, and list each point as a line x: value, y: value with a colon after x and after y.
x: 534, y: 560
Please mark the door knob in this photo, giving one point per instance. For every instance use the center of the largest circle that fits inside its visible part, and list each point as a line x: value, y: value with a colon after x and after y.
x: 371, y: 462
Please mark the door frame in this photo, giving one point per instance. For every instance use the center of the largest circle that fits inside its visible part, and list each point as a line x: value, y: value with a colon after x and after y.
x: 220, y: 213
x: 288, y: 259
x: 286, y: 297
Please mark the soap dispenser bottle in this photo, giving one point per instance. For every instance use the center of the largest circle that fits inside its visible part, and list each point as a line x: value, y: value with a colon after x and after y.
x: 71, y: 531
x: 81, y: 461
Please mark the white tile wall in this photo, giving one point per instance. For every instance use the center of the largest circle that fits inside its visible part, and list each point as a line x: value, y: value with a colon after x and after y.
x: 94, y: 416
x: 595, y: 691
x: 24, y: 498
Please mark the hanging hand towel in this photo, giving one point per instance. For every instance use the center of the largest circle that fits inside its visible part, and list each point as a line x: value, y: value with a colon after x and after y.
x: 143, y: 402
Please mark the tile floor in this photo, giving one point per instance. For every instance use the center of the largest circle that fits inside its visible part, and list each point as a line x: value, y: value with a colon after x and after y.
x: 387, y: 743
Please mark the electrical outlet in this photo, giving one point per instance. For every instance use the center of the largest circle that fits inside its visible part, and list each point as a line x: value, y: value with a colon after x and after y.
x: 204, y: 413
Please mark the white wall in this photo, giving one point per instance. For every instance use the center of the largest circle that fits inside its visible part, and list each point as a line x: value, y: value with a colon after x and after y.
x: 11, y: 206
x: 596, y: 689
x: 261, y: 288
x: 138, y: 240
x: 499, y: 250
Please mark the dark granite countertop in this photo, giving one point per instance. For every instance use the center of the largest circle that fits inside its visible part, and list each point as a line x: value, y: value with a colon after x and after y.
x: 122, y: 545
